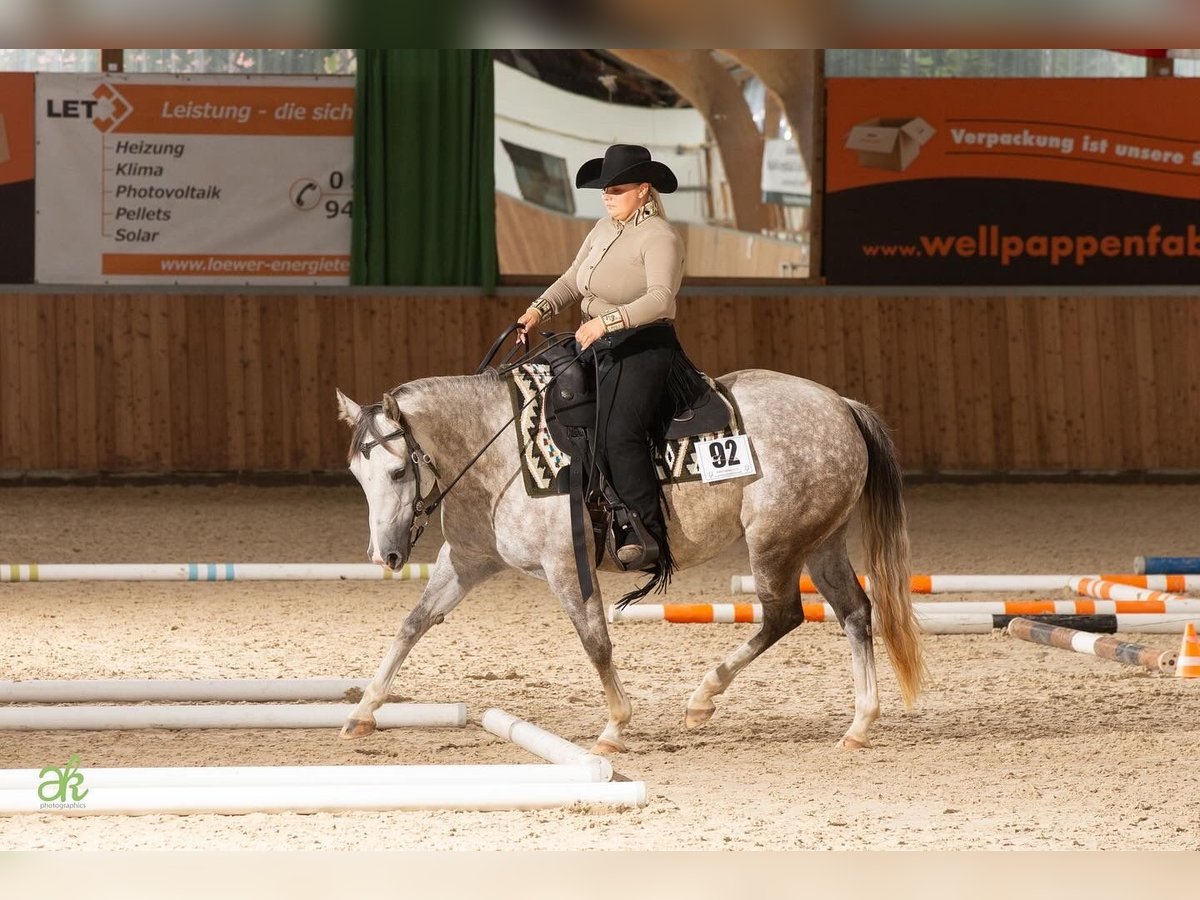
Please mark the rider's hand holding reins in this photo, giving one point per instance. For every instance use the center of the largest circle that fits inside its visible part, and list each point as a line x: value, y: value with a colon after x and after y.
x: 528, y: 321
x: 589, y: 332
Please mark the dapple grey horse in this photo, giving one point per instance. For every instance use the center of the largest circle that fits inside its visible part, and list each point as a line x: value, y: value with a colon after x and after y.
x: 816, y: 455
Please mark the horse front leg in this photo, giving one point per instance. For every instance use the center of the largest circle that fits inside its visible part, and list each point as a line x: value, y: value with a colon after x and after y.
x: 452, y: 579
x: 590, y: 625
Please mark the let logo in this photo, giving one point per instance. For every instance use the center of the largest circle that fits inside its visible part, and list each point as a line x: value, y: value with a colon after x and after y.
x: 107, y: 109
x: 55, y: 783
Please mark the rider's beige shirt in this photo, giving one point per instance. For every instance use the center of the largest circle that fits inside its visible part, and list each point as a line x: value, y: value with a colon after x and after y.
x: 625, y: 274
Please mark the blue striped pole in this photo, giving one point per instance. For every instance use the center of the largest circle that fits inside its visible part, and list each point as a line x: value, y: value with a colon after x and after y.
x: 1167, y: 565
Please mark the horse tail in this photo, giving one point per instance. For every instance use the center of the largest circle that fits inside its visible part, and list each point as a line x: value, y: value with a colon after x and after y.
x: 885, y: 536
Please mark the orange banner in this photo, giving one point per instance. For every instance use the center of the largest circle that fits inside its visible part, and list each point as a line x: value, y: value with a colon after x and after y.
x: 131, y: 108
x: 1132, y: 134
x: 16, y: 127
x: 1012, y: 181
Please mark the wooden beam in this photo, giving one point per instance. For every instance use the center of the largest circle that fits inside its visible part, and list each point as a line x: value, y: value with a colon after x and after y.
x: 816, y: 219
x: 789, y: 75
x: 711, y: 89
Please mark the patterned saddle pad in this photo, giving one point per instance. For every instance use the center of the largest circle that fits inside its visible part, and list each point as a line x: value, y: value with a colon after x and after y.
x: 542, y: 460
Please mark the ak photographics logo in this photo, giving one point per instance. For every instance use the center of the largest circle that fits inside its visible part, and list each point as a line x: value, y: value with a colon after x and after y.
x: 62, y: 788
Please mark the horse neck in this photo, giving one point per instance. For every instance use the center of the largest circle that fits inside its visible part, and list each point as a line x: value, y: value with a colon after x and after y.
x: 453, y: 417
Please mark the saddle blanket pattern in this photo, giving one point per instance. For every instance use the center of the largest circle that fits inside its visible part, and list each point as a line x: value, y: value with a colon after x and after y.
x: 542, y: 460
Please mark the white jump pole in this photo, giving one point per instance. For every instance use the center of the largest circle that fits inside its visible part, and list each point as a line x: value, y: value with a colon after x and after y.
x: 246, y: 799
x: 268, y: 776
x: 200, y: 571
x: 134, y: 690
x: 309, y: 715
x: 542, y: 743
x: 966, y: 584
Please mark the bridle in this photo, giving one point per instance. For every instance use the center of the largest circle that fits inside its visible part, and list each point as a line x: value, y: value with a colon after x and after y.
x: 423, y: 507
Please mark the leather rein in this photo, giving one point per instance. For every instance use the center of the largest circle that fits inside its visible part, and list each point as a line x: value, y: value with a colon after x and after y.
x: 425, y: 506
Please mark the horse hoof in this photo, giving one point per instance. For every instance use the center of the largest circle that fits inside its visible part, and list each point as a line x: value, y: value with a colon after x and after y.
x: 698, y: 715
x: 609, y: 746
x: 357, y: 728
x: 849, y: 743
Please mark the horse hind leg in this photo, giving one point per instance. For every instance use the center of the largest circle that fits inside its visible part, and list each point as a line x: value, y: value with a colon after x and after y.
x: 835, y: 579
x: 777, y: 578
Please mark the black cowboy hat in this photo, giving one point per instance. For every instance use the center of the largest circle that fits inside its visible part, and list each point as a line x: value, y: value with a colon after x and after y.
x: 626, y: 164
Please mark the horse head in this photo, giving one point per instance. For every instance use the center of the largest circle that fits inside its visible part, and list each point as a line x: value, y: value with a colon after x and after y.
x: 380, y: 459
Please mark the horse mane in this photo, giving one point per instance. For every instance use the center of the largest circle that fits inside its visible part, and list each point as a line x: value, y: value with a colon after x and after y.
x: 360, y: 432
x: 450, y: 388
x: 458, y: 385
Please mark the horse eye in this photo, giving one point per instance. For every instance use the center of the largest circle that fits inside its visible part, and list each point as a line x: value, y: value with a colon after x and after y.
x: 396, y: 474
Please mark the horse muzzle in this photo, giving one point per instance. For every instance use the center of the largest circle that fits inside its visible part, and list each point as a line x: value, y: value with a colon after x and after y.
x: 392, y: 557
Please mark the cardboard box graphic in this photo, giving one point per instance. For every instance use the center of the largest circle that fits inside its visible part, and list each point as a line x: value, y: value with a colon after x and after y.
x: 889, y: 143
x: 4, y: 155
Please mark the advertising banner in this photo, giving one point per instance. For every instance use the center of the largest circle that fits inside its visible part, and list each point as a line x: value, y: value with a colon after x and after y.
x: 194, y: 179
x: 16, y: 178
x: 1012, y: 181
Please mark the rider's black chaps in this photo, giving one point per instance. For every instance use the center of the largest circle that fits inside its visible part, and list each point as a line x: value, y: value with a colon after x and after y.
x: 644, y: 380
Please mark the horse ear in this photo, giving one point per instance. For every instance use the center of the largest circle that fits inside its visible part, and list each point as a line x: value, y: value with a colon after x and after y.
x: 391, y: 408
x: 348, y: 410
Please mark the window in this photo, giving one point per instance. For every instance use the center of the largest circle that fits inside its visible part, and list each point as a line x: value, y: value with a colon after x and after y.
x: 242, y: 62
x: 542, y: 178
x: 976, y: 63
x: 49, y: 60
x: 255, y: 61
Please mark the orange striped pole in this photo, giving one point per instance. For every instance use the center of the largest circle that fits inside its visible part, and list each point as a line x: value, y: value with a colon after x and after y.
x: 688, y: 613
x: 939, y: 618
x: 966, y: 584
x: 709, y: 613
x: 1109, y: 590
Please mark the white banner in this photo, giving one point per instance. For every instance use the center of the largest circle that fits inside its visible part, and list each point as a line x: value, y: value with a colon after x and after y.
x: 783, y: 169
x: 153, y: 179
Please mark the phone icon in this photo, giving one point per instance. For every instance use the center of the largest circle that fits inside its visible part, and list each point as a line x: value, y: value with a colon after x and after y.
x: 306, y: 193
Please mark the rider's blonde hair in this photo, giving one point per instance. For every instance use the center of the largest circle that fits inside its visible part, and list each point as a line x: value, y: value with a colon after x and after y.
x: 656, y: 199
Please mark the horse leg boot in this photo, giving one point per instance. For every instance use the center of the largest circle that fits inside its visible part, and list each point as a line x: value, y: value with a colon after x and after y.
x: 588, y: 619
x: 779, y: 593
x: 452, y: 579
x: 835, y: 579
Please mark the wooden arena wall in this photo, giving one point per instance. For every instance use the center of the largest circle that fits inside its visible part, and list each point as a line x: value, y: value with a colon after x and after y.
x: 118, y: 382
